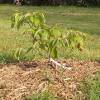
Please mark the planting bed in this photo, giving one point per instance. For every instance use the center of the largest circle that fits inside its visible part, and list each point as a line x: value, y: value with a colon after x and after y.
x: 26, y: 78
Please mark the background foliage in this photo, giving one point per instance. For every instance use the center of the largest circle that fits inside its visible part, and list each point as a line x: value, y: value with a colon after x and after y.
x: 57, y: 2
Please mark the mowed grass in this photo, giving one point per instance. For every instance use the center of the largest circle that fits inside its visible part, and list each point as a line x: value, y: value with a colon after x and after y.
x: 78, y: 18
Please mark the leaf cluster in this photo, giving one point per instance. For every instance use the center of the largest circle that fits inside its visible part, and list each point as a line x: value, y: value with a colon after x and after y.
x: 45, y: 37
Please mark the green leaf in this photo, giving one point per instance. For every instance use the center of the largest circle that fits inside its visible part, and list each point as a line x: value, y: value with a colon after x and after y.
x: 55, y: 53
x: 29, y: 49
x: 20, y: 22
x: 12, y: 21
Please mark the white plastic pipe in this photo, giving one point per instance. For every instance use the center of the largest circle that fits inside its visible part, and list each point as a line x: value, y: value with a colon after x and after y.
x: 58, y: 64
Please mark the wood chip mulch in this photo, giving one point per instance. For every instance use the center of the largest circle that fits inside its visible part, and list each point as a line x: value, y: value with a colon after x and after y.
x: 22, y: 79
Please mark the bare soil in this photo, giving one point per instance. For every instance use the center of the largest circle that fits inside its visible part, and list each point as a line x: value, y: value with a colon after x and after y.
x: 26, y: 78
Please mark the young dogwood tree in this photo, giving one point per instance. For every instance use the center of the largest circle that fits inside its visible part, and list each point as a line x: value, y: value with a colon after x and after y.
x: 45, y: 37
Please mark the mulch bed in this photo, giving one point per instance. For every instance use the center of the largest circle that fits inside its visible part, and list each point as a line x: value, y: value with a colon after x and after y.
x: 26, y: 78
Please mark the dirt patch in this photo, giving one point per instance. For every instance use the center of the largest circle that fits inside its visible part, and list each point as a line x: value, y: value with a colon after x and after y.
x: 22, y: 79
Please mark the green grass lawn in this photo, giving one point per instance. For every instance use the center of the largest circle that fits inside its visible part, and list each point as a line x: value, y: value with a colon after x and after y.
x: 83, y: 19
